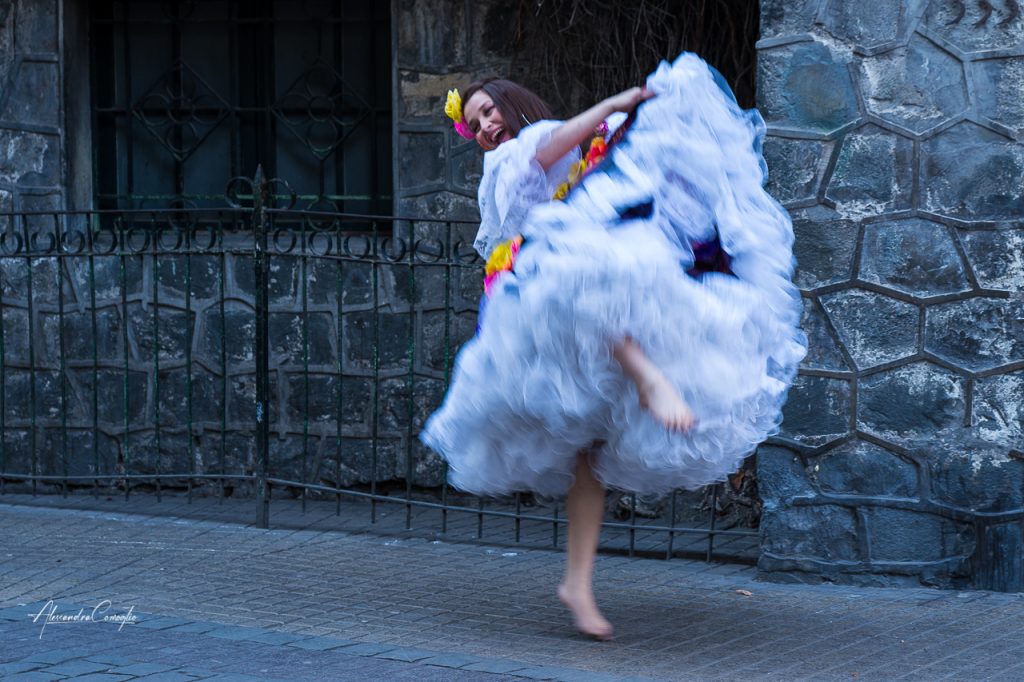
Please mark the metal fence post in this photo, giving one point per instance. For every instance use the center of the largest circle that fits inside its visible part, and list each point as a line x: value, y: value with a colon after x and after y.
x: 261, y: 194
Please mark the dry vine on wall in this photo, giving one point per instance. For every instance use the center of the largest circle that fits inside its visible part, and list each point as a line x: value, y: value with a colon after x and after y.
x: 574, y: 52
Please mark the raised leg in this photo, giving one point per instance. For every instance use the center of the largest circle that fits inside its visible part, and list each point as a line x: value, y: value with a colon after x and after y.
x: 585, y: 506
x: 657, y: 395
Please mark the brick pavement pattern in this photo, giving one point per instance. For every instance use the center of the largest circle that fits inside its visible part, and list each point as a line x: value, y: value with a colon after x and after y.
x: 222, y: 600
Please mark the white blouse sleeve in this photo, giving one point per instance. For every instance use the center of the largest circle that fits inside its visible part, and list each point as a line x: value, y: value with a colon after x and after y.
x: 513, y: 183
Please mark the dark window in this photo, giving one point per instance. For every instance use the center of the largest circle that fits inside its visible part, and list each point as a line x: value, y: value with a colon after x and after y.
x: 187, y: 95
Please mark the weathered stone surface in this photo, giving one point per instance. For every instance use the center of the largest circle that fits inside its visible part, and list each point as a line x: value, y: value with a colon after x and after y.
x: 35, y: 95
x: 914, y: 256
x: 15, y: 328
x: 978, y: 333
x: 817, y: 410
x: 795, y: 168
x: 824, y: 247
x: 241, y: 390
x: 79, y: 338
x: 1000, y: 82
x: 430, y: 34
x: 287, y: 331
x: 997, y: 257
x: 441, y: 336
x: 330, y: 397
x: 916, y: 401
x: 866, y: 24
x: 421, y: 156
x: 448, y: 205
x: 972, y: 173
x: 173, y: 396
x: 780, y: 476
x: 786, y: 17
x: 974, y: 26
x: 998, y: 408
x: 861, y: 468
x: 165, y: 327
x: 29, y: 158
x: 978, y: 479
x: 467, y: 164
x: 283, y: 275
x: 790, y: 92
x: 36, y: 29
x: 200, y: 276
x: 47, y: 385
x: 74, y: 452
x: 823, y: 531
x: 363, y: 460
x: 902, y: 535
x: 395, y: 416
x: 822, y: 350
x: 147, y: 453
x: 106, y: 276
x: 874, y: 328
x: 117, y: 395
x: 386, y: 336
x: 874, y: 173
x: 918, y: 86
x: 234, y: 332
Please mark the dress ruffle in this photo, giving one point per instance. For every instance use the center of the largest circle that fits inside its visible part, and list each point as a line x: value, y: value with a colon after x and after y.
x: 538, y: 383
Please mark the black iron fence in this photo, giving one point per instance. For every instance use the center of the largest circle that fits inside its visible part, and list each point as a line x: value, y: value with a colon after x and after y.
x: 259, y: 350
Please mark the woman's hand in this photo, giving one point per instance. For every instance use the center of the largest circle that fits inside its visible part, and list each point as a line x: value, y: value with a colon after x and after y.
x: 579, y: 128
x: 628, y: 99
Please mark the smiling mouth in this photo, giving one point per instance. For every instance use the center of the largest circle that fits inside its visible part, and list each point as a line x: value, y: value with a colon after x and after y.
x: 496, y: 137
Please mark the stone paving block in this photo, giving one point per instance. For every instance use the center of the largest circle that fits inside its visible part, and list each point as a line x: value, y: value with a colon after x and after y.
x: 233, y: 632
x: 112, y: 660
x: 160, y: 622
x: 103, y: 677
x: 267, y: 637
x: 17, y: 667
x: 322, y: 644
x: 195, y: 628
x: 451, y: 660
x: 496, y: 666
x: 33, y: 676
x: 55, y: 656
x: 408, y: 655
x: 75, y: 667
x: 140, y: 669
x: 171, y: 676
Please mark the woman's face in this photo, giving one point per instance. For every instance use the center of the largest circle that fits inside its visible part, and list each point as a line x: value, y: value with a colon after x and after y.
x: 485, y: 121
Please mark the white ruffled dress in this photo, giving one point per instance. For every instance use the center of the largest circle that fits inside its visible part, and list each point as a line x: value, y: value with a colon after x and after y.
x: 538, y: 383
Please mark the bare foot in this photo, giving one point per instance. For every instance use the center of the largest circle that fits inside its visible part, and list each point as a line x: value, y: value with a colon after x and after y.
x: 586, y: 616
x: 664, y: 403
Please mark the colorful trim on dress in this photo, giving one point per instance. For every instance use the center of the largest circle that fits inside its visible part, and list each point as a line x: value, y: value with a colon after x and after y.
x: 502, y: 259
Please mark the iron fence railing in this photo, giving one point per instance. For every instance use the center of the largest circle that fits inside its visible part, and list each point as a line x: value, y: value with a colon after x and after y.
x: 258, y: 349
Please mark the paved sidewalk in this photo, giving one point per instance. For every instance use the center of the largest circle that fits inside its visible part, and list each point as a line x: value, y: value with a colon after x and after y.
x: 218, y: 600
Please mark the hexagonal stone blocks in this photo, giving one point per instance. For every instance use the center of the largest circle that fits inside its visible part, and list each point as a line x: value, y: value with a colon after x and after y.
x: 912, y: 402
x: 875, y: 329
x: 861, y: 468
x: 917, y: 86
x: 914, y: 256
x: 978, y: 333
x: 790, y: 88
x: 970, y: 172
x: 873, y: 174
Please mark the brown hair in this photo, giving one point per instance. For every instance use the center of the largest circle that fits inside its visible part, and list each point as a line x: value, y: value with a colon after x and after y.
x: 519, y: 106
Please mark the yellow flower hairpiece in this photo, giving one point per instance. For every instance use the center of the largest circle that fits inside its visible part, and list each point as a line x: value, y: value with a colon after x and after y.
x: 453, y: 109
x: 453, y: 106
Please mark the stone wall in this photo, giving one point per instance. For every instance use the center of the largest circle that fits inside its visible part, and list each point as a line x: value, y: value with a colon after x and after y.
x: 31, y: 106
x: 896, y: 133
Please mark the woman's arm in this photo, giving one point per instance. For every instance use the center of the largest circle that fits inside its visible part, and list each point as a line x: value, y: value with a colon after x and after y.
x: 573, y: 132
